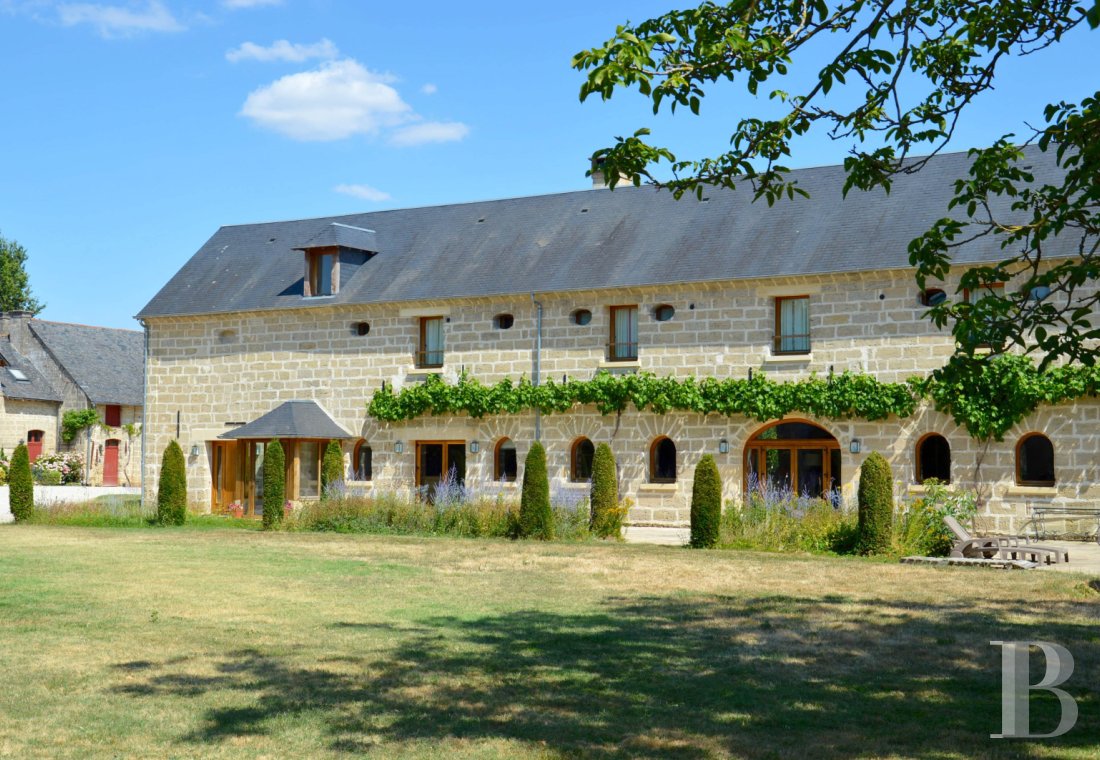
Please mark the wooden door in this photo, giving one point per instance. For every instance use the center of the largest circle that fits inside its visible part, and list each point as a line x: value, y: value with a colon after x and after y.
x: 34, y: 444
x: 110, y: 462
x: 224, y: 475
x: 435, y: 461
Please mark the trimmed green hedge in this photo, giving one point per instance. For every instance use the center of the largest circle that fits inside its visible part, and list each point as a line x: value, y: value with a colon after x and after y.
x: 706, y: 504
x: 274, y: 484
x: 172, y: 489
x: 607, y: 515
x: 535, y: 517
x: 21, y: 485
x: 876, y: 505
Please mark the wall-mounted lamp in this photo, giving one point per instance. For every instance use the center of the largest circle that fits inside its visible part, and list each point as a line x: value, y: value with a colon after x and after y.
x: 194, y: 450
x: 1039, y: 292
x: 474, y: 447
x: 398, y: 447
x: 723, y: 446
x: 854, y: 446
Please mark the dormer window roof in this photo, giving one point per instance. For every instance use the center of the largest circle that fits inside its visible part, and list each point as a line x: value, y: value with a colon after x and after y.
x: 333, y: 246
x: 337, y: 235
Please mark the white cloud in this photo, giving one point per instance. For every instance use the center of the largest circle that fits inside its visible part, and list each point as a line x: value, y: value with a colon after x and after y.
x: 236, y: 4
x: 365, y: 192
x: 429, y: 132
x: 429, y: 89
x: 121, y: 21
x: 336, y: 101
x: 282, y: 50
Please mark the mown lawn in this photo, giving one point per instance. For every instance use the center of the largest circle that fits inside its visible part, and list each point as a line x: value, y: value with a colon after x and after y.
x: 181, y: 643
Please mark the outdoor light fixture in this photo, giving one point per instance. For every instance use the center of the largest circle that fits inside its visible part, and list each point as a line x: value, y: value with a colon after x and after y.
x: 398, y: 447
x: 194, y: 449
x: 854, y: 446
x: 723, y: 446
x: 1039, y: 292
x: 474, y: 447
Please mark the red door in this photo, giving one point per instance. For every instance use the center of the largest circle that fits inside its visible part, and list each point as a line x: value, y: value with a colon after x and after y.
x: 34, y: 444
x: 110, y: 463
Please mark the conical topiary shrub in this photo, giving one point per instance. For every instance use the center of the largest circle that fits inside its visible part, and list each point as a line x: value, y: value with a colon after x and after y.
x: 172, y: 489
x: 274, y: 484
x: 536, y: 520
x: 876, y: 504
x: 706, y: 504
x: 21, y: 485
x: 607, y: 517
x: 332, y: 467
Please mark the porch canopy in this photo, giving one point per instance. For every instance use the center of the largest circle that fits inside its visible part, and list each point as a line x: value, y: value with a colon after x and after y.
x: 291, y: 420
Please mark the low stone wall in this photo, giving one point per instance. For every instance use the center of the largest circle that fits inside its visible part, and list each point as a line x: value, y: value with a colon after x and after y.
x: 46, y: 495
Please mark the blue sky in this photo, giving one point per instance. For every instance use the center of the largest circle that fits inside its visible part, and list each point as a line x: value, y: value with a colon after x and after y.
x: 133, y: 129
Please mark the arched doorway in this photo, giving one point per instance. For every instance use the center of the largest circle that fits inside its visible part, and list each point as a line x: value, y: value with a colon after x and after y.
x: 793, y: 455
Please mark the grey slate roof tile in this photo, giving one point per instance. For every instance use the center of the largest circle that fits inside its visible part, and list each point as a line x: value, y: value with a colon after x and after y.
x: 589, y: 239
x: 34, y: 388
x: 108, y: 364
x: 291, y: 419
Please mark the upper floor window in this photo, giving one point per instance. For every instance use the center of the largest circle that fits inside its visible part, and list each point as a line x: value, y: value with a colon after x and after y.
x: 430, y: 350
x: 321, y: 273
x: 994, y: 289
x: 113, y: 415
x: 933, y: 458
x: 624, y: 334
x: 1035, y: 461
x: 792, y: 325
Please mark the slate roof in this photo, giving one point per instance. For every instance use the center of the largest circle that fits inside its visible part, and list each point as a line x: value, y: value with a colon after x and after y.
x: 106, y: 363
x: 342, y: 235
x: 291, y: 419
x: 588, y: 239
x: 34, y: 388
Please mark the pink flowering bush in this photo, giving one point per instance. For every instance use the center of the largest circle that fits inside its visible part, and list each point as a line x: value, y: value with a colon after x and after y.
x: 69, y: 467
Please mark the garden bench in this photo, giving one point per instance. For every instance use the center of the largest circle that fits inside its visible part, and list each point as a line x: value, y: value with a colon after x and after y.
x: 1039, y: 515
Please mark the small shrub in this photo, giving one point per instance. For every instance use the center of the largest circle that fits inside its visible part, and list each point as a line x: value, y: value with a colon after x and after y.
x: 172, y: 489
x: 920, y: 529
x: 21, y: 491
x: 332, y: 467
x: 3, y: 475
x: 772, y: 518
x: 706, y: 504
x: 274, y: 485
x: 536, y: 519
x: 607, y: 513
x: 876, y: 505
x: 48, y: 478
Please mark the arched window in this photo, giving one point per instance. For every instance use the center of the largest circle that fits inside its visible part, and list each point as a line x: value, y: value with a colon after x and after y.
x: 362, y: 465
x: 933, y: 458
x: 580, y: 460
x: 662, y: 461
x: 794, y: 457
x: 1035, y: 461
x: 504, y: 461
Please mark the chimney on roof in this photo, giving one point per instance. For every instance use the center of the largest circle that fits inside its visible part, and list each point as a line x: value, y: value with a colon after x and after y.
x: 599, y: 179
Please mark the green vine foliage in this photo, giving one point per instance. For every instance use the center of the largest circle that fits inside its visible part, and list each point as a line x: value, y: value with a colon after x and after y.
x: 986, y: 395
x: 75, y: 420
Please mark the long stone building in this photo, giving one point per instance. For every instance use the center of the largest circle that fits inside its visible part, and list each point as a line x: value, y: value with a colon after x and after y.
x: 286, y: 329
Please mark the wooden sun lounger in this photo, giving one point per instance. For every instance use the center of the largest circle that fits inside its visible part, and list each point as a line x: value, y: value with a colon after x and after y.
x: 1001, y: 547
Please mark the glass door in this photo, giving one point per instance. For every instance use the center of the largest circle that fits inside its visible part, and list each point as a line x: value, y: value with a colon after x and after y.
x: 439, y: 464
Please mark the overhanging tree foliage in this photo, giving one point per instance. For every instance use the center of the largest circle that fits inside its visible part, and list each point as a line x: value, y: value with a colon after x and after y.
x: 911, y: 69
x: 15, y: 287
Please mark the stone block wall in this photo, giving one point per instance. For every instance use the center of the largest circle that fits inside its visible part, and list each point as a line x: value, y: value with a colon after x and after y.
x: 211, y: 372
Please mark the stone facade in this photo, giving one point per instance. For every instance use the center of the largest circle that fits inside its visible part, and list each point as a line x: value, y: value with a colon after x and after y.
x: 20, y: 416
x: 206, y: 373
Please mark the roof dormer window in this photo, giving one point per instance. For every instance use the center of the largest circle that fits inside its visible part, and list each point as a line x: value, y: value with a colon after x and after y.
x: 333, y: 254
x: 321, y: 272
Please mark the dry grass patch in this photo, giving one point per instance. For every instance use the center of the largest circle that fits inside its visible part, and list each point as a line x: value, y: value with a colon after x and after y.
x: 238, y: 644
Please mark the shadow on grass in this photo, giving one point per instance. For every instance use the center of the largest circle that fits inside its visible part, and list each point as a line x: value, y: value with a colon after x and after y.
x: 771, y: 676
